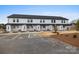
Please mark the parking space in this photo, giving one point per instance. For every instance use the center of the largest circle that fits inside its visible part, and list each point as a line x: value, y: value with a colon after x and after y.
x: 32, y: 43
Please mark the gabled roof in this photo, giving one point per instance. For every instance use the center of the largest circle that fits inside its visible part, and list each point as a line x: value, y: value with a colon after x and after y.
x: 36, y: 17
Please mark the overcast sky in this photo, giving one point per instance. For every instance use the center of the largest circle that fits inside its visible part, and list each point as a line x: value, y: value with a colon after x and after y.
x: 69, y: 11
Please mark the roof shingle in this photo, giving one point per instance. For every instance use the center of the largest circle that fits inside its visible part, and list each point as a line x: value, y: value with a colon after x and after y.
x: 36, y: 17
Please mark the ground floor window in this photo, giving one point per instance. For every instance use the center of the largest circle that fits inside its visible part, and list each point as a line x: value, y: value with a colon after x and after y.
x: 14, y: 26
x: 63, y: 26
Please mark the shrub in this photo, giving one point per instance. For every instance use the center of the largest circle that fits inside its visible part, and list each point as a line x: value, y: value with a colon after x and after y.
x: 74, y: 36
x: 57, y: 33
x: 66, y: 35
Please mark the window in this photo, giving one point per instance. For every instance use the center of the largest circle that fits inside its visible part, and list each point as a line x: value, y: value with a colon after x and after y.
x: 27, y: 26
x: 13, y: 20
x: 14, y: 26
x: 17, y: 20
x: 31, y: 20
x: 63, y: 26
x: 43, y: 21
x: 43, y: 26
x: 54, y: 21
x: 28, y: 21
x: 64, y: 21
x: 17, y: 26
x: 61, y: 21
x: 40, y: 21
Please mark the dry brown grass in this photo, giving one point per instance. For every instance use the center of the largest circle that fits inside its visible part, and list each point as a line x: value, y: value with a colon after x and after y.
x: 66, y: 36
x: 46, y: 34
x: 69, y: 38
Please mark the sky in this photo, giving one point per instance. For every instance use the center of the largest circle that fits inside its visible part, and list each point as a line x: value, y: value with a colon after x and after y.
x: 68, y: 11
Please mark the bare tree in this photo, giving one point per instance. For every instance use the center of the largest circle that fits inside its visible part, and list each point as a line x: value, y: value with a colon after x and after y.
x: 55, y: 28
x: 77, y: 25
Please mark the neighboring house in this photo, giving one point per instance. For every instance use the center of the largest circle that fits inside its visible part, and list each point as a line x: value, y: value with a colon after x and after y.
x: 18, y: 22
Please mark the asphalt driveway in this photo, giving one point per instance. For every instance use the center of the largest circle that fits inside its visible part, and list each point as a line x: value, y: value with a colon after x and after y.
x: 31, y: 43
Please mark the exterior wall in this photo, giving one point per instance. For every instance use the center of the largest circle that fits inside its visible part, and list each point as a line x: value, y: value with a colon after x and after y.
x: 35, y: 27
x: 35, y: 21
x: 10, y: 20
x: 59, y: 28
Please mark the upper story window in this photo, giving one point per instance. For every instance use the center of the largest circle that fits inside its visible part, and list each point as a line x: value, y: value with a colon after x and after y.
x: 42, y: 21
x: 17, y: 20
x: 54, y: 21
x: 63, y: 21
x: 29, y: 20
x: 13, y: 20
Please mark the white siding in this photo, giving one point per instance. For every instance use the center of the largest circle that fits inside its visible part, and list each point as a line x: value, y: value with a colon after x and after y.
x: 36, y: 21
x: 58, y: 21
x: 48, y: 21
x: 36, y: 27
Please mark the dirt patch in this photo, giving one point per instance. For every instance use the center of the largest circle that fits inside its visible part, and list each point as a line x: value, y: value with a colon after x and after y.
x: 46, y: 34
x: 70, y: 38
